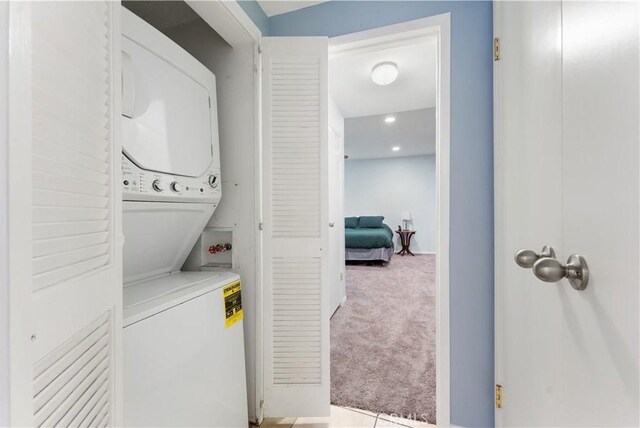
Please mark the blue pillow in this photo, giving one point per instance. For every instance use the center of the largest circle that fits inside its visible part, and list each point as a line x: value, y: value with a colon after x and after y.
x: 370, y: 221
x: 351, y: 222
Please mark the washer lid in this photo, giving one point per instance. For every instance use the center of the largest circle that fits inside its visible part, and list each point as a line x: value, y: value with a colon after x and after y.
x: 147, y: 298
x: 166, y: 114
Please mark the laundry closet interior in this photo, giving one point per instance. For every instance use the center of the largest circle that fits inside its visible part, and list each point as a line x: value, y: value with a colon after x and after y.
x: 190, y: 218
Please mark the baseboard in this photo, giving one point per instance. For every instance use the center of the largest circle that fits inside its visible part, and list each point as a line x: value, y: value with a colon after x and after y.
x: 424, y: 253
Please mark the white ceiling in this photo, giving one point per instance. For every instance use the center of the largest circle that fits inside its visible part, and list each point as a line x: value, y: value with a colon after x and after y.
x: 369, y: 137
x: 351, y: 87
x: 277, y: 7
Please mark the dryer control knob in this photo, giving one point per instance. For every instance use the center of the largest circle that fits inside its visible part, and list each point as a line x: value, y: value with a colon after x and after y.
x: 176, y: 187
x: 157, y: 186
x: 213, y: 180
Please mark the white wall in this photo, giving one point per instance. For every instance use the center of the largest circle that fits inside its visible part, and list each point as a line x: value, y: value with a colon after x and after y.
x: 390, y: 186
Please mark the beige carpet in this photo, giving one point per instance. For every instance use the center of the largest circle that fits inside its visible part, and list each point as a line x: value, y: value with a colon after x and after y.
x: 383, y: 339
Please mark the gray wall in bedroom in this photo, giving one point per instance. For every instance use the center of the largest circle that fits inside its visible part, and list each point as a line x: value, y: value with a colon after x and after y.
x: 389, y: 186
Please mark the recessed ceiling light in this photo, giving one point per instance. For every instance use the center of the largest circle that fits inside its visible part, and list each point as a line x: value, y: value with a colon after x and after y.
x: 395, y: 149
x: 389, y: 119
x: 384, y: 73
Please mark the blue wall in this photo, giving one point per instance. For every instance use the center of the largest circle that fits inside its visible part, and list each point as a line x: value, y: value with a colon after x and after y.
x: 257, y: 15
x: 471, y: 251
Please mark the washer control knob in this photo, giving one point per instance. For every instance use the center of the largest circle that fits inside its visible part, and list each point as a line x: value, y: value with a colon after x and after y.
x: 157, y: 186
x: 176, y: 187
x: 213, y: 180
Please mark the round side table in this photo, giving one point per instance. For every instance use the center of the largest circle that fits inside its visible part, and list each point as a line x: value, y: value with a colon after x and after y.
x: 405, y: 240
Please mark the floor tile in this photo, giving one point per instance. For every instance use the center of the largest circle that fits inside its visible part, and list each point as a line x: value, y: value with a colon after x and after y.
x: 390, y: 421
x: 366, y: 412
x: 340, y: 418
x: 277, y: 422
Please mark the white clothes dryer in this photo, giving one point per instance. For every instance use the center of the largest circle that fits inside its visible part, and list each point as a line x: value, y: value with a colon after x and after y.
x: 183, y: 359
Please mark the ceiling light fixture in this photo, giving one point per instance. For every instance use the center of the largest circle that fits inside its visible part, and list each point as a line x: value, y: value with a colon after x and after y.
x: 395, y: 149
x: 389, y: 119
x: 384, y: 73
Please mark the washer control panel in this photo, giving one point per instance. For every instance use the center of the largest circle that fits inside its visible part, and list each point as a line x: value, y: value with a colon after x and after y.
x: 142, y: 185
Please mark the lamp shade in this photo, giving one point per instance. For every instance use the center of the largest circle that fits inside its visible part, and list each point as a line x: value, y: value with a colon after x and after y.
x: 406, y: 216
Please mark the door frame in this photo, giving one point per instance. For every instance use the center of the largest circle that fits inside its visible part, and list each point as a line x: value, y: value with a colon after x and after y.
x: 438, y: 27
x: 498, y: 194
x: 4, y: 244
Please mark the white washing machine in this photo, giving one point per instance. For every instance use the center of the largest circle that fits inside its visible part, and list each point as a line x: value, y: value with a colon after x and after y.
x: 183, y: 334
x: 184, y: 365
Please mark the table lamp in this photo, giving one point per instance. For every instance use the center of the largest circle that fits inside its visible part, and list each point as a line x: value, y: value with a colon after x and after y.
x: 406, y: 218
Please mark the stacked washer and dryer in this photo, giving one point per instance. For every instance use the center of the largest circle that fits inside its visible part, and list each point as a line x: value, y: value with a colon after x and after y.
x: 183, y: 336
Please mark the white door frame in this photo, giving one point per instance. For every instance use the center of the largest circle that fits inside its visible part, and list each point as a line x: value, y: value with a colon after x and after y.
x: 4, y: 244
x: 438, y: 27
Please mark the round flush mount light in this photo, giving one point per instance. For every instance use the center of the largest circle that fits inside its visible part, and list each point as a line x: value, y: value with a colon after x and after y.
x: 395, y: 149
x: 384, y: 73
x: 389, y: 119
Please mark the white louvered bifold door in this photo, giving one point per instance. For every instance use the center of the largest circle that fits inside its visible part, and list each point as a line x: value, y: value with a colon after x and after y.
x: 295, y: 209
x: 65, y: 215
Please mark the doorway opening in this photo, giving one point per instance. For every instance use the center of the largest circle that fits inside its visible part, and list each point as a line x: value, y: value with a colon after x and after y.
x: 389, y: 165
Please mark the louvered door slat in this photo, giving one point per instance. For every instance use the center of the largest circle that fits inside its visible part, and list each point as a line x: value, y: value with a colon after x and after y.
x: 78, y: 412
x: 64, y: 184
x: 71, y: 134
x: 56, y: 364
x: 296, y: 225
x: 56, y: 229
x: 66, y: 380
x: 64, y: 169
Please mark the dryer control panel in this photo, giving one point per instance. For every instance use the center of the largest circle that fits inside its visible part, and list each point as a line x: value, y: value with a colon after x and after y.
x: 142, y: 185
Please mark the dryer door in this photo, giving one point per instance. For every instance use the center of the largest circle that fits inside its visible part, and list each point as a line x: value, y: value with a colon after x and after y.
x: 167, y: 122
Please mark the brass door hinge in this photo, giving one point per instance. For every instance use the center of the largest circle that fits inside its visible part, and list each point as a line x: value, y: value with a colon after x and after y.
x: 496, y: 48
x: 498, y: 396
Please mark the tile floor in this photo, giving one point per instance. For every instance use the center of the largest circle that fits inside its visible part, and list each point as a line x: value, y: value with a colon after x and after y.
x: 345, y: 417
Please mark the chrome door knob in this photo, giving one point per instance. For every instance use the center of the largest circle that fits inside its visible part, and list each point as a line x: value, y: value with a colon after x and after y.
x: 526, y: 258
x: 551, y: 270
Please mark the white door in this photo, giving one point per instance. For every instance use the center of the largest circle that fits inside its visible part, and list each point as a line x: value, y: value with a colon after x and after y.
x: 65, y: 278
x: 336, y: 220
x: 567, y: 161
x: 296, y: 223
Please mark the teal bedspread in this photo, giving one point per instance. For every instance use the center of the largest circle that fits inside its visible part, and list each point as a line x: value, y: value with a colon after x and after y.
x: 369, y: 237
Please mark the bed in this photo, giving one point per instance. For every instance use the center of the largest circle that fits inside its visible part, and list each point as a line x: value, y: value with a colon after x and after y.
x: 367, y: 238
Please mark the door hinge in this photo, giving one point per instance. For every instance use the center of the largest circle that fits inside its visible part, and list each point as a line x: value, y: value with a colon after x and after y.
x: 209, y: 103
x: 498, y: 396
x: 496, y: 48
x: 259, y: 50
x: 261, y: 226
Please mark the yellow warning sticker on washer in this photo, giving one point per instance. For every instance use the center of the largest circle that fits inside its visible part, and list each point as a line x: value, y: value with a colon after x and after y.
x: 232, y: 304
